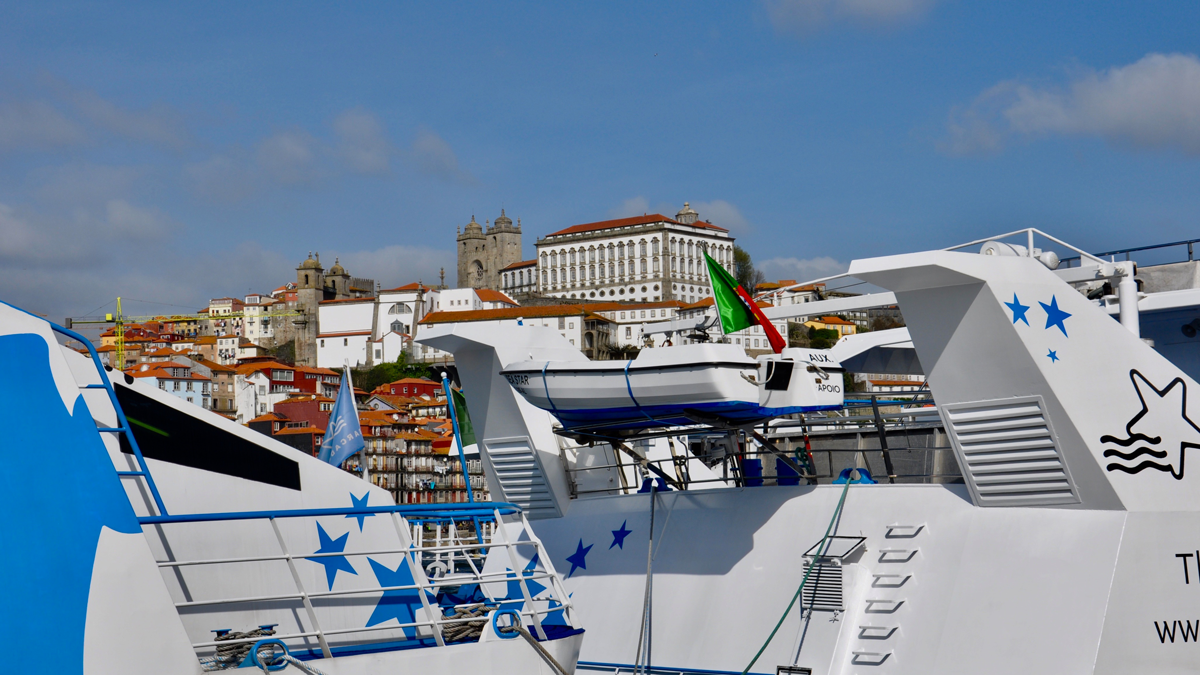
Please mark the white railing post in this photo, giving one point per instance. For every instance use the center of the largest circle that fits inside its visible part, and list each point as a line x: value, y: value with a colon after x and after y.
x: 555, y: 580
x: 312, y: 615
x: 418, y: 574
x: 520, y: 574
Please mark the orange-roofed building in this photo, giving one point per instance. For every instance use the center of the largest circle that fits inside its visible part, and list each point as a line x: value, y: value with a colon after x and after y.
x: 176, y: 379
x: 842, y: 326
x: 647, y: 258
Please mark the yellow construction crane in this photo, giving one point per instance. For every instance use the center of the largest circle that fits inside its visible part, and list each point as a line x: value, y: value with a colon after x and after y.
x: 118, y: 320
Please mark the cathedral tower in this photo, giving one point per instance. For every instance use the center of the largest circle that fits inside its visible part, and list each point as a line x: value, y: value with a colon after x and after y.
x: 482, y: 254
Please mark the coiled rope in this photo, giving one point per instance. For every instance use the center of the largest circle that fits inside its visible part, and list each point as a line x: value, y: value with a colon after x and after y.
x: 467, y: 630
x: 232, y: 656
x: 823, y: 547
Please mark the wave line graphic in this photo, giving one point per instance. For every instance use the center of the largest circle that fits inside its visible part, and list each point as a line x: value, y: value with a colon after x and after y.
x: 1134, y: 438
x: 1143, y: 466
x: 1159, y: 454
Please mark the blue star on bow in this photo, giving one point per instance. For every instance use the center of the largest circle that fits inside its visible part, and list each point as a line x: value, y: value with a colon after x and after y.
x: 515, y: 599
x: 1054, y: 315
x: 400, y: 604
x: 1053, y: 356
x: 578, y: 559
x: 360, y: 503
x: 619, y: 536
x: 1018, y: 310
x: 333, y: 563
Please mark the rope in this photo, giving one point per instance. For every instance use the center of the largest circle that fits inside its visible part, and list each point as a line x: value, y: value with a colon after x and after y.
x: 518, y: 628
x: 273, y: 660
x: 824, y: 546
x: 232, y: 656
x: 467, y: 630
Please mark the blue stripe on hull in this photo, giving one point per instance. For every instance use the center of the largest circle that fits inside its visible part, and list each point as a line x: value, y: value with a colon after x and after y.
x: 673, y: 415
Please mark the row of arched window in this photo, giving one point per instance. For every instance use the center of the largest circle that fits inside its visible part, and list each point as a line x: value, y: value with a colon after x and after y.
x: 629, y: 258
x: 518, y: 278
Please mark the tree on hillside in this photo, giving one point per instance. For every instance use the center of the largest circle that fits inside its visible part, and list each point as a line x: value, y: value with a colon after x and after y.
x: 368, y: 379
x: 743, y: 269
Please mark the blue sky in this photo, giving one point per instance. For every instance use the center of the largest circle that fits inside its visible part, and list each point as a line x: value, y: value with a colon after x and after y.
x: 172, y: 154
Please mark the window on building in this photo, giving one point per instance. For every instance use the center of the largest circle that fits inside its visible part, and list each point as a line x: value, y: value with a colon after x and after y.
x: 592, y: 272
x: 654, y: 246
x: 572, y: 256
x: 628, y: 332
x: 656, y: 265
x: 345, y: 342
x: 543, y: 259
x: 571, y: 325
x: 601, y: 253
x: 554, y: 276
x: 651, y: 314
x: 643, y: 265
x: 592, y: 254
x: 572, y: 274
x: 621, y: 268
x: 322, y: 343
x: 554, y: 260
x: 601, y: 269
x: 621, y: 251
x: 162, y: 385
x: 175, y: 385
x: 643, y: 313
x: 189, y: 386
x: 643, y: 247
x: 562, y: 322
x: 543, y: 276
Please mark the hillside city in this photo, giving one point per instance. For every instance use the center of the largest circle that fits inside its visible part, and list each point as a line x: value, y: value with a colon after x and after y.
x: 274, y: 361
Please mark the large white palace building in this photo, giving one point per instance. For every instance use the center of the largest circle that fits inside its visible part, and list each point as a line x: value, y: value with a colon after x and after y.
x: 647, y: 258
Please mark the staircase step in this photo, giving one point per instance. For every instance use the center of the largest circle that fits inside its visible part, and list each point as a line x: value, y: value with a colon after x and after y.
x: 890, y: 580
x: 903, y: 531
x: 869, y: 658
x: 883, y: 606
x: 896, y: 555
x: 876, y: 632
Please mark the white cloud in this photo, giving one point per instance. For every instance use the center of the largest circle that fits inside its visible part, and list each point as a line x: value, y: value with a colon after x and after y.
x: 723, y: 214
x: 1153, y: 103
x: 223, y: 178
x: 159, y: 124
x: 634, y: 206
x: 34, y: 240
x: 397, y: 265
x: 434, y: 156
x: 290, y: 157
x: 362, y: 142
x: 801, y: 269
x: 136, y: 223
x: 37, y: 124
x: 806, y: 16
x: 82, y: 183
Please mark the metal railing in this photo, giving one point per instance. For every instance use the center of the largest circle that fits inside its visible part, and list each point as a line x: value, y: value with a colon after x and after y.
x: 447, y: 560
x: 1189, y: 243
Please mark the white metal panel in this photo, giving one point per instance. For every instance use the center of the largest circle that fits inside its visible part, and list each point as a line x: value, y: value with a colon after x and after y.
x: 519, y: 471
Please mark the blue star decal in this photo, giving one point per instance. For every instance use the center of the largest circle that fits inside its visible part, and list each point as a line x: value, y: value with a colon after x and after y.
x: 619, y: 536
x: 1054, y: 315
x: 578, y: 559
x: 360, y: 503
x: 401, y: 605
x: 1018, y: 310
x: 1053, y: 356
x: 333, y: 563
x: 514, y: 598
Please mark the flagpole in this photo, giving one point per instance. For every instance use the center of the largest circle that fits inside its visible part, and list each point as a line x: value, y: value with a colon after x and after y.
x: 462, y: 457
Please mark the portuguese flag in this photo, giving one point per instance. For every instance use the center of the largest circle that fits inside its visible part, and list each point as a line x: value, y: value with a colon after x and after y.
x: 736, y: 309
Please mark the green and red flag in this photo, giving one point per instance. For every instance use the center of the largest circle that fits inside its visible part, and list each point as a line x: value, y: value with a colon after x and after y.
x: 735, y: 308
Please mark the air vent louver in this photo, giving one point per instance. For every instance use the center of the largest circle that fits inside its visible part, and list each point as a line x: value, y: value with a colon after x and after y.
x: 522, y: 480
x: 1008, y: 452
x: 823, y: 592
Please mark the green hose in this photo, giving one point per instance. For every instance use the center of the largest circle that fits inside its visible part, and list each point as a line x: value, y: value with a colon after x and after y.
x: 824, y: 544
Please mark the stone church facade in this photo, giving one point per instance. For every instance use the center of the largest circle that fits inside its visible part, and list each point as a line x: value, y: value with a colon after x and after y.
x: 482, y: 254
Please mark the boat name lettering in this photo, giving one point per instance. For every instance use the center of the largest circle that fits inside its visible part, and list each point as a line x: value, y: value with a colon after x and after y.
x: 1190, y: 558
x: 832, y: 388
x: 516, y: 380
x: 819, y: 358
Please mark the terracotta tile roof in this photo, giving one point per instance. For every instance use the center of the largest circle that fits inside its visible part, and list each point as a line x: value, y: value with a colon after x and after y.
x: 415, y: 380
x: 519, y: 265
x: 212, y: 365
x: 306, y: 398
x: 250, y: 368
x: 510, y: 313
x: 488, y: 295
x: 708, y: 302
x: 628, y: 222
x: 317, y: 371
x: 414, y: 286
x: 269, y: 417
x: 288, y: 431
x: 206, y: 340
x: 833, y: 321
x: 623, y: 306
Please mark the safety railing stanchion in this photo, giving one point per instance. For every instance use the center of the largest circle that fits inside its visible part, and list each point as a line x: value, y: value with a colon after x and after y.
x: 312, y: 614
x: 555, y: 580
x: 418, y: 574
x: 519, y: 572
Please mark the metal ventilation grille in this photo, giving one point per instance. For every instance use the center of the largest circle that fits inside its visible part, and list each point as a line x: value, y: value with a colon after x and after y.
x: 823, y: 592
x: 1008, y: 453
x: 520, y: 474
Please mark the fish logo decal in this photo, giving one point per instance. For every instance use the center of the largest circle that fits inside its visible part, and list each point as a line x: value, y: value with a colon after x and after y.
x: 1158, y: 436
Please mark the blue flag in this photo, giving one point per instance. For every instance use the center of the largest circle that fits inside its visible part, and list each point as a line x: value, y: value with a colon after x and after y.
x: 343, y: 438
